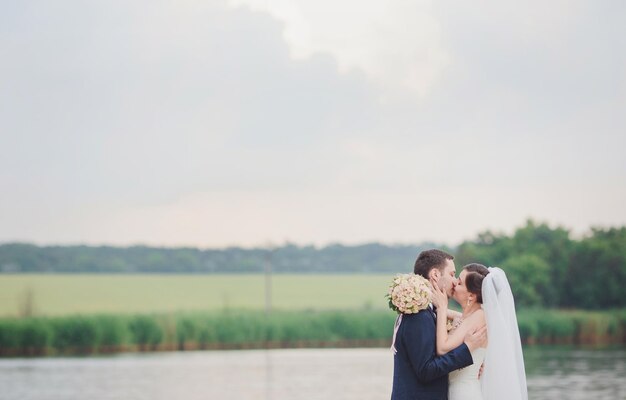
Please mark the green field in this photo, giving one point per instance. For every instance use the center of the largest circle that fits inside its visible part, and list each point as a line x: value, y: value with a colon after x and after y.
x: 91, y: 294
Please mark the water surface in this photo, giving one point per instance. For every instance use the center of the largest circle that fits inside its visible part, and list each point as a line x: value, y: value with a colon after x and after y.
x: 311, y: 374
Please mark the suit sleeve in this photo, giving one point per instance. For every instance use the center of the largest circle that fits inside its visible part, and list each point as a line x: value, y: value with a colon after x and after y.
x: 420, y: 344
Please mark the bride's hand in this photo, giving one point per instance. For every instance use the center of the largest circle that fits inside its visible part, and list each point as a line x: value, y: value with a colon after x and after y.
x: 440, y: 298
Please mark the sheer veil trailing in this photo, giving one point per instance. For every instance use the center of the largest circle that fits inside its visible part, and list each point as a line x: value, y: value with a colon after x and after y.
x: 504, y: 376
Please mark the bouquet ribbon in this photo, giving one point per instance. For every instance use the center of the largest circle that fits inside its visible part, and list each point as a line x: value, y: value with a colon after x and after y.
x: 395, y: 332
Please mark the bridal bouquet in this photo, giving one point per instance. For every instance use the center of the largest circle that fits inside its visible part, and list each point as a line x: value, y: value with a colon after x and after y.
x: 409, y: 294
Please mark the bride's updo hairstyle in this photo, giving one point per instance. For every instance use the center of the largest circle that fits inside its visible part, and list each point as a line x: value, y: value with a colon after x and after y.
x: 474, y: 279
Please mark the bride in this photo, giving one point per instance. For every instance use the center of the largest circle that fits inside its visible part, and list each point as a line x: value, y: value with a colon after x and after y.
x: 485, y: 297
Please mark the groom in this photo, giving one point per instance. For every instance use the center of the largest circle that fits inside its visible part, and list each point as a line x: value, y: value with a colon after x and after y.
x: 417, y: 371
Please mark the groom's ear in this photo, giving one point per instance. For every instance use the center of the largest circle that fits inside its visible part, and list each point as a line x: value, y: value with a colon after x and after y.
x: 434, y: 273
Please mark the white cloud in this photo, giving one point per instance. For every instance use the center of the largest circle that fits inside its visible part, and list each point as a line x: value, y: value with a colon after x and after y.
x: 397, y: 43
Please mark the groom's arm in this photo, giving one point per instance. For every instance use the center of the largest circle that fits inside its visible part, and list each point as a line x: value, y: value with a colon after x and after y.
x: 420, y: 341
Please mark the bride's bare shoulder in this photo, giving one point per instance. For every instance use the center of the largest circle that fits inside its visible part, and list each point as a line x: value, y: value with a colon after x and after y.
x: 478, y: 317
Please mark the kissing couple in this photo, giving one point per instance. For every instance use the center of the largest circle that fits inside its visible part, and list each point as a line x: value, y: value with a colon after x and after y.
x: 475, y: 354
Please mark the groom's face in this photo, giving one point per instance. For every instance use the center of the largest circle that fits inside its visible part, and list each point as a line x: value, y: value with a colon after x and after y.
x: 447, y: 280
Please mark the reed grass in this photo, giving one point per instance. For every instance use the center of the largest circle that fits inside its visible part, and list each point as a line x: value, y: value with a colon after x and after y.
x: 572, y: 327
x: 247, y: 329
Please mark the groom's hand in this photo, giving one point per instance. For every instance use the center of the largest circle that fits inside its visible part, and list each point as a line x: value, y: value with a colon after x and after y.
x: 476, y: 338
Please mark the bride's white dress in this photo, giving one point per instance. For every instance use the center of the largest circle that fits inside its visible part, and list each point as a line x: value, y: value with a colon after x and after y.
x: 464, y: 383
x: 504, y: 376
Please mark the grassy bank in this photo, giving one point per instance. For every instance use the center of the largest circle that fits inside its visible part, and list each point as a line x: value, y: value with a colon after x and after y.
x: 572, y: 327
x: 245, y: 329
x: 185, y: 331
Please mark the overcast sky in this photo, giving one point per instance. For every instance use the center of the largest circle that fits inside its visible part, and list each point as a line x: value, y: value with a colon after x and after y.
x: 250, y: 122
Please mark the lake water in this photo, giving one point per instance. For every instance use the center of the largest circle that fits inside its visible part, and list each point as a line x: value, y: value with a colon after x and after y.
x: 311, y: 374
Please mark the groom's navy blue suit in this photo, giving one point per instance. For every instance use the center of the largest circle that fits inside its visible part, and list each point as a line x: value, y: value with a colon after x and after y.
x: 417, y: 371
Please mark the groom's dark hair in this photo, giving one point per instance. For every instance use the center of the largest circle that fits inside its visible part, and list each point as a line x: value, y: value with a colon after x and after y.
x: 429, y: 259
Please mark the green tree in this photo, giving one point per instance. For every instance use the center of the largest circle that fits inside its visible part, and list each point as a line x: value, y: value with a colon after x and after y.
x: 529, y: 277
x: 552, y: 245
x: 598, y: 270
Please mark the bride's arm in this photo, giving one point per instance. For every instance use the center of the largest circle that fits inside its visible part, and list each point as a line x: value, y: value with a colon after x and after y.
x: 445, y: 341
x: 452, y: 314
x: 440, y: 299
x: 442, y: 331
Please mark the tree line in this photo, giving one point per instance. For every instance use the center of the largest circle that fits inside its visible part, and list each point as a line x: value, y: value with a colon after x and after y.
x: 289, y: 258
x: 546, y: 266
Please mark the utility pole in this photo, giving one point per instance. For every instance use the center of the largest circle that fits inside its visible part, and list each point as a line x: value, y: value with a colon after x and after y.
x: 268, y: 280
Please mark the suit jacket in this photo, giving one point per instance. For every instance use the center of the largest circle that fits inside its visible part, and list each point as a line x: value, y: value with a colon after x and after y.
x: 418, y: 373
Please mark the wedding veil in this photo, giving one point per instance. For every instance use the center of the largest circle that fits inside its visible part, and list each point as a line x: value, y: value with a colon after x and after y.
x: 504, y: 376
